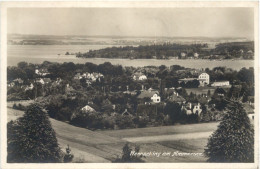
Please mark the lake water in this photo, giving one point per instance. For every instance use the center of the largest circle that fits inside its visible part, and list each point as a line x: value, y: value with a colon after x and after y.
x: 40, y: 53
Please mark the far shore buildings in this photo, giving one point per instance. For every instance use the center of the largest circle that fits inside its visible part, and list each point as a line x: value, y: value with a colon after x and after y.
x: 89, y: 76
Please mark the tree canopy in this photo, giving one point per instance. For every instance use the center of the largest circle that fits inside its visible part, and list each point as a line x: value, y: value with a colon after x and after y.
x: 233, y: 141
x: 31, y: 139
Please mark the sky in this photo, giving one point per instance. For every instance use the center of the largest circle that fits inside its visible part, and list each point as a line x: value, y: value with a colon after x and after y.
x: 169, y: 22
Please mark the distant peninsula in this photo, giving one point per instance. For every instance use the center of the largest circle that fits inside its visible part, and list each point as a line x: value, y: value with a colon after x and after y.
x: 229, y: 50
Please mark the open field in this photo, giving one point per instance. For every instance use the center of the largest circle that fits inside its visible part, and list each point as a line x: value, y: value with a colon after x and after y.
x: 104, y: 146
x: 22, y: 102
x: 163, y: 130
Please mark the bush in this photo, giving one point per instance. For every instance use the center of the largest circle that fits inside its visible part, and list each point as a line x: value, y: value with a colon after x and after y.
x: 233, y: 141
x: 31, y: 138
x: 124, y: 122
x: 19, y: 107
x: 141, y: 121
x: 68, y: 156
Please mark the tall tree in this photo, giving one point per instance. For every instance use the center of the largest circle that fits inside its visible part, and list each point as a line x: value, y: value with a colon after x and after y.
x: 233, y: 141
x: 31, y: 139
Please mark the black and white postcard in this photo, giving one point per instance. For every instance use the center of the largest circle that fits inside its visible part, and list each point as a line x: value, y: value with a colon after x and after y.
x: 129, y: 84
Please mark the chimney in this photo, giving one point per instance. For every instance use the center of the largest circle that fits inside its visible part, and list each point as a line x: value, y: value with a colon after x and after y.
x: 142, y: 87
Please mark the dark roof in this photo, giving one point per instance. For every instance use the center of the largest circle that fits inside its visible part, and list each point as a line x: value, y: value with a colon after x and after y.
x: 106, y: 102
x: 147, y: 94
x: 175, y: 98
x: 220, y: 90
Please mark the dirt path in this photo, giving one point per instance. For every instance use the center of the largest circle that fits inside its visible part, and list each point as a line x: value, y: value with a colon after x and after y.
x: 151, y: 139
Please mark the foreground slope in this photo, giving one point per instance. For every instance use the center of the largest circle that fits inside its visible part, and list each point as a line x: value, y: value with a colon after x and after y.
x: 104, y: 146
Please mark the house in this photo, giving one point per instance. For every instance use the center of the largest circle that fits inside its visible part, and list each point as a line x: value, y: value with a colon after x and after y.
x: 130, y: 92
x: 18, y: 81
x: 251, y: 115
x: 46, y: 80
x: 251, y: 100
x: 29, y: 87
x: 176, y: 98
x: 126, y: 113
x: 185, y: 80
x: 78, y: 76
x: 249, y: 110
x: 150, y: 95
x: 58, y: 80
x: 187, y: 107
x: 43, y: 80
x: 40, y: 81
x: 220, y: 92
x: 156, y: 98
x: 87, y: 109
x: 139, y: 76
x: 197, y: 109
x: 183, y: 55
x: 93, y: 76
x: 195, y: 72
x: 142, y: 77
x: 107, y: 106
x: 41, y: 72
x: 196, y: 55
x: 12, y: 84
x: 192, y: 108
x: 204, y: 99
x: 203, y: 79
x: 220, y: 83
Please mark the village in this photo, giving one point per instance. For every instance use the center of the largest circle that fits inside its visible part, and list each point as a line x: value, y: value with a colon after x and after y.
x: 131, y: 97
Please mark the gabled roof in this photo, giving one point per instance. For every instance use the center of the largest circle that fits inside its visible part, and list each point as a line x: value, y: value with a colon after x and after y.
x: 106, y: 102
x: 175, y: 98
x: 147, y: 94
x: 126, y: 113
x: 220, y: 90
x: 87, y: 108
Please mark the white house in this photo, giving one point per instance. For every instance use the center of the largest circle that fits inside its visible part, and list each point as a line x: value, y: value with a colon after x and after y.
x: 192, y: 108
x: 196, y: 55
x: 204, y: 79
x: 197, y: 109
x: 220, y: 83
x: 142, y: 77
x: 251, y: 116
x: 183, y: 54
x: 87, y: 108
x: 41, y: 72
x: 150, y: 93
x: 40, y: 81
x: 29, y: 87
x: 78, y: 76
x: 139, y: 76
x: 156, y: 98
